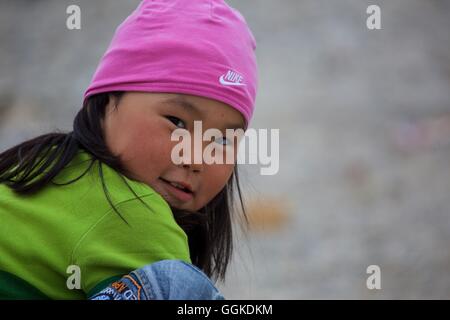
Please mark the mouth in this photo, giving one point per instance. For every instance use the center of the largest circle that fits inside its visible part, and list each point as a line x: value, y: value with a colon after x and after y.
x: 180, y: 191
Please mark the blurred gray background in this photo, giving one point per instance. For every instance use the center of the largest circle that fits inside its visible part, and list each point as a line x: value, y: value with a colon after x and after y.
x: 364, y: 119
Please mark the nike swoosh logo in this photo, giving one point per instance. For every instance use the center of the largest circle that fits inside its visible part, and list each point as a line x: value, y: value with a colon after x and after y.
x: 228, y: 83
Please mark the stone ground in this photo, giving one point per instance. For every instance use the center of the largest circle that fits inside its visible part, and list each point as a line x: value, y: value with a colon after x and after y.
x: 364, y: 119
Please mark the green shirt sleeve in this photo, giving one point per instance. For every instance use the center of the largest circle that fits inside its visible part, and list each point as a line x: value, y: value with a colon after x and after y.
x: 111, y: 248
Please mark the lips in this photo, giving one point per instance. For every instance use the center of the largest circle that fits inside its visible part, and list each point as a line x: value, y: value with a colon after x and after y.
x: 179, y: 190
x: 180, y: 185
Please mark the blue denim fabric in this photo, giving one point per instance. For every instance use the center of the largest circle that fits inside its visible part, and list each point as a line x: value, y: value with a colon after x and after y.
x: 162, y: 280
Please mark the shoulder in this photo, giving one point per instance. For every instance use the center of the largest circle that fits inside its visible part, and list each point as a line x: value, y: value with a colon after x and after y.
x: 114, y: 246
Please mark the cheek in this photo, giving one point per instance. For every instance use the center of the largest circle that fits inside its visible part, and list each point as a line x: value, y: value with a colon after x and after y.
x: 147, y: 154
x: 215, y: 179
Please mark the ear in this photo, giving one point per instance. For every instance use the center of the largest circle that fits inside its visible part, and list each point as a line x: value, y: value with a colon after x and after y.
x: 110, y: 107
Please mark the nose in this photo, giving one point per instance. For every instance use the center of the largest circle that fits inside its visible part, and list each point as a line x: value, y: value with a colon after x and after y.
x: 196, y: 161
x: 195, y: 167
x: 193, y: 159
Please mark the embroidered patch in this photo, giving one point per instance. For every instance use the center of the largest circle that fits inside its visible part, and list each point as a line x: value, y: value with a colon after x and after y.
x: 127, y: 288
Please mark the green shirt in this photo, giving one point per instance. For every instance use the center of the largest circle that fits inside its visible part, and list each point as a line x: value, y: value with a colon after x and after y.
x: 41, y: 235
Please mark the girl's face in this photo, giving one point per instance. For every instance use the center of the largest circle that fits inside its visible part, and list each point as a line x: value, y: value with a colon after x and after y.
x: 139, y: 132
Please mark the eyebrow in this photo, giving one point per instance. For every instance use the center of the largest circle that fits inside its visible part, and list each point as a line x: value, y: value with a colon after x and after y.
x: 181, y: 102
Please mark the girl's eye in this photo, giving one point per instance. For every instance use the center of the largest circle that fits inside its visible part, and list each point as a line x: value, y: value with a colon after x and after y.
x: 177, y: 121
x: 223, y: 141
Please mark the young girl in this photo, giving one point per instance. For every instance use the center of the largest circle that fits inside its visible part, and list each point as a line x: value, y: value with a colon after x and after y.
x: 103, y: 211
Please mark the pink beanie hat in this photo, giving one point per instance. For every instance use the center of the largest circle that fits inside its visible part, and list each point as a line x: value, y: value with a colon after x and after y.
x: 198, y: 47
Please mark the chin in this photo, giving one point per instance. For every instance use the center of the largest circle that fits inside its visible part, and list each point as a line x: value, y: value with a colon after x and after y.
x: 184, y: 207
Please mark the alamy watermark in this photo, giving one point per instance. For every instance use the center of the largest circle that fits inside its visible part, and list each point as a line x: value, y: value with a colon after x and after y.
x: 374, y: 280
x: 249, y: 147
x: 73, y: 21
x: 373, y: 22
x: 74, y: 280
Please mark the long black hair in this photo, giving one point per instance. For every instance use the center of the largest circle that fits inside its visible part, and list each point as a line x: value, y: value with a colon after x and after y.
x: 29, y: 166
